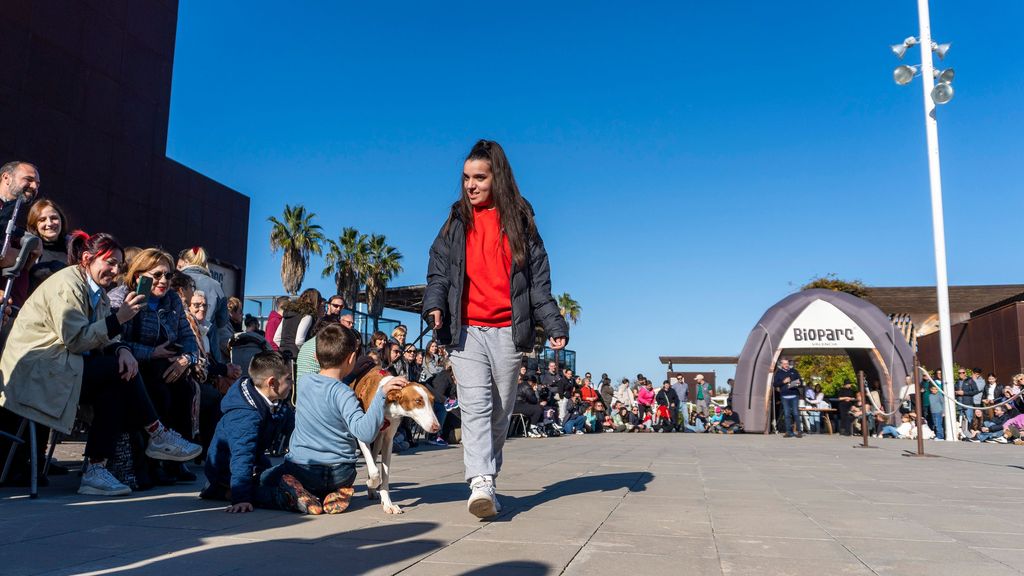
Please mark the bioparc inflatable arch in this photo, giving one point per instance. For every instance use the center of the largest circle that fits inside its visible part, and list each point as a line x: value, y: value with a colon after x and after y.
x: 818, y: 322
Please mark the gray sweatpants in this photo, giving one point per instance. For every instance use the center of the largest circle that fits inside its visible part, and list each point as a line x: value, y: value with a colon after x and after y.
x: 486, y: 365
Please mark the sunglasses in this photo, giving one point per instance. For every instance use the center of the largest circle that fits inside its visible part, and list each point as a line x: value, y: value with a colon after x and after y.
x: 159, y: 275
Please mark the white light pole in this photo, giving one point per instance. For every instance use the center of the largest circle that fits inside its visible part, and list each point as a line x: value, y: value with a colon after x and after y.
x: 938, y: 226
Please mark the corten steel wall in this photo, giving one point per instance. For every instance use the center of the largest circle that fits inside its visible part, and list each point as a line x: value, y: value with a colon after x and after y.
x: 85, y: 91
x: 991, y: 342
x: 691, y: 381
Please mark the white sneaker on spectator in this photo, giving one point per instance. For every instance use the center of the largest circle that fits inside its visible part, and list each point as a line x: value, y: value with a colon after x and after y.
x: 482, y: 502
x: 580, y: 432
x: 98, y: 481
x: 166, y: 444
x: 999, y: 440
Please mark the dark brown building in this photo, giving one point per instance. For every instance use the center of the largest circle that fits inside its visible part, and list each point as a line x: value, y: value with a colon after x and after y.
x: 85, y: 94
x: 992, y: 340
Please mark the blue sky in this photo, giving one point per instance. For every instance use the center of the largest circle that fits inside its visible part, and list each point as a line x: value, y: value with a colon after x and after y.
x: 690, y: 163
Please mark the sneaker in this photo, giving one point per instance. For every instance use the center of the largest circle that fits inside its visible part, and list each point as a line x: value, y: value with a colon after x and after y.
x: 451, y: 404
x: 337, y: 502
x: 580, y: 432
x: 292, y: 496
x: 482, y: 502
x: 558, y: 428
x: 166, y: 444
x: 439, y: 442
x: 1000, y: 440
x: 98, y: 481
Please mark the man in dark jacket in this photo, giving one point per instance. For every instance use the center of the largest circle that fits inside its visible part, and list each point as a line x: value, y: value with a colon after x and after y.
x: 253, y: 416
x: 554, y: 381
x: 965, y: 390
x: 787, y: 387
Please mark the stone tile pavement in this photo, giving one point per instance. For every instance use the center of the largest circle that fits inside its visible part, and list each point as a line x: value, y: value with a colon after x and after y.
x: 647, y: 504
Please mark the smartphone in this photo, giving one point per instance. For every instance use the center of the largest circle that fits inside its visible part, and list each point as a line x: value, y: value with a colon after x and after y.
x: 145, y: 285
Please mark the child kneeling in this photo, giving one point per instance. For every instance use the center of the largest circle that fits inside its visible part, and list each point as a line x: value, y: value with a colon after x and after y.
x: 253, y: 416
x: 318, y: 473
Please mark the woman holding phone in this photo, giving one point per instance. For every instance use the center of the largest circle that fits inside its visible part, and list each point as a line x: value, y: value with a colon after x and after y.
x: 62, y: 351
x: 488, y: 283
x: 162, y: 341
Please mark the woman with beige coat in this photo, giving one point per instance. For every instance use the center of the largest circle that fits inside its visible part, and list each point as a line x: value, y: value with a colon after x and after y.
x: 63, y: 350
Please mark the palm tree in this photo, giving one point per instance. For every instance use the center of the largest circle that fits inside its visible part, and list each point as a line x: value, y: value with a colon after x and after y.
x: 568, y: 308
x: 345, y: 258
x: 382, y: 264
x: 297, y: 237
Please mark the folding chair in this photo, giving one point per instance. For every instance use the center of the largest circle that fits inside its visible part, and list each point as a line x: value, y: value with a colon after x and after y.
x: 18, y: 440
x: 517, y: 422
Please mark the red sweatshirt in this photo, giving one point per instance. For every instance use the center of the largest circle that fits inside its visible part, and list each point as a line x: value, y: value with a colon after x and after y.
x: 487, y: 292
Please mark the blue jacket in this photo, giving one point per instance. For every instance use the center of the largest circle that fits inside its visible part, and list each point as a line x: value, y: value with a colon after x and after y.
x: 781, y: 387
x: 237, y: 450
x: 159, y: 321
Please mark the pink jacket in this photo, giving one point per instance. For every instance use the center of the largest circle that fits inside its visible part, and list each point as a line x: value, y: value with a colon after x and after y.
x: 645, y: 396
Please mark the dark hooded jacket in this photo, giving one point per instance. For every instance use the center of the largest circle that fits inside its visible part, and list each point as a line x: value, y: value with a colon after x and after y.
x: 531, y: 288
x: 237, y: 453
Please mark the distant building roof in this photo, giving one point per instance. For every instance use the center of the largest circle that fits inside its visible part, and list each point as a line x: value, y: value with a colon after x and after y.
x: 923, y: 300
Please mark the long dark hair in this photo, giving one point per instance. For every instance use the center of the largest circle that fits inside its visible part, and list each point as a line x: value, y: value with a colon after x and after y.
x: 516, y: 215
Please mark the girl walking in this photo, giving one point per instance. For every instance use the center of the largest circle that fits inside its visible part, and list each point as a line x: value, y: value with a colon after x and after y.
x: 488, y: 283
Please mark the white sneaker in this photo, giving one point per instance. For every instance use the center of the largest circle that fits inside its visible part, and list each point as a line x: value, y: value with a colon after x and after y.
x: 579, y: 432
x: 1000, y: 440
x: 482, y: 502
x: 166, y: 444
x: 98, y: 481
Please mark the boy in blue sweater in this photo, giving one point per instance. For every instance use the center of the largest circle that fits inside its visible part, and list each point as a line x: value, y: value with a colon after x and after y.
x: 253, y: 415
x: 318, y: 473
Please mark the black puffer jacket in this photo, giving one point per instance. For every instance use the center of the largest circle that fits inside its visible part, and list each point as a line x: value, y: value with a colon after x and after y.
x: 531, y: 289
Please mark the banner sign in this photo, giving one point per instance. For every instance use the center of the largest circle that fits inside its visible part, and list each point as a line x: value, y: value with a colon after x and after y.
x: 822, y: 325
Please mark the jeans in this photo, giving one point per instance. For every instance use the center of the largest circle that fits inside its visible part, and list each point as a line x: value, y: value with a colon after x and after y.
x: 890, y: 432
x: 319, y: 479
x: 791, y: 411
x: 573, y: 424
x: 937, y: 427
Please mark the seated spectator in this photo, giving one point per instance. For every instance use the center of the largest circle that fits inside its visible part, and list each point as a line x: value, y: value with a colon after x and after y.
x: 235, y: 315
x: 442, y: 386
x: 529, y: 406
x: 62, y: 351
x: 697, y: 423
x: 432, y: 363
x: 992, y: 427
x: 729, y: 423
x: 320, y: 468
x: 195, y: 262
x: 971, y: 428
x: 255, y: 412
x: 600, y: 414
x: 620, y: 419
x: 587, y: 391
x: 399, y: 334
x: 377, y: 341
x: 636, y: 420
x: 574, y: 420
x: 1012, y: 429
x: 904, y: 430
x: 412, y: 370
x: 162, y: 341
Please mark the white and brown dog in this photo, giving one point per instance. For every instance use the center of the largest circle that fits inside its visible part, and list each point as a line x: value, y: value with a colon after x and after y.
x: 414, y: 401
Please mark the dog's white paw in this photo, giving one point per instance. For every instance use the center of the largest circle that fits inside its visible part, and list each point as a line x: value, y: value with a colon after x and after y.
x: 392, y: 508
x: 373, y: 482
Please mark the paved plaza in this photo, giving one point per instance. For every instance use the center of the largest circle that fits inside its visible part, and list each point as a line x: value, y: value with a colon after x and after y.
x: 595, y: 504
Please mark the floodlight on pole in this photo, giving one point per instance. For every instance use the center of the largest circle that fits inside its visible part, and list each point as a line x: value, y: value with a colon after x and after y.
x: 904, y: 74
x: 940, y: 49
x: 900, y: 49
x: 942, y: 93
x: 944, y: 75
